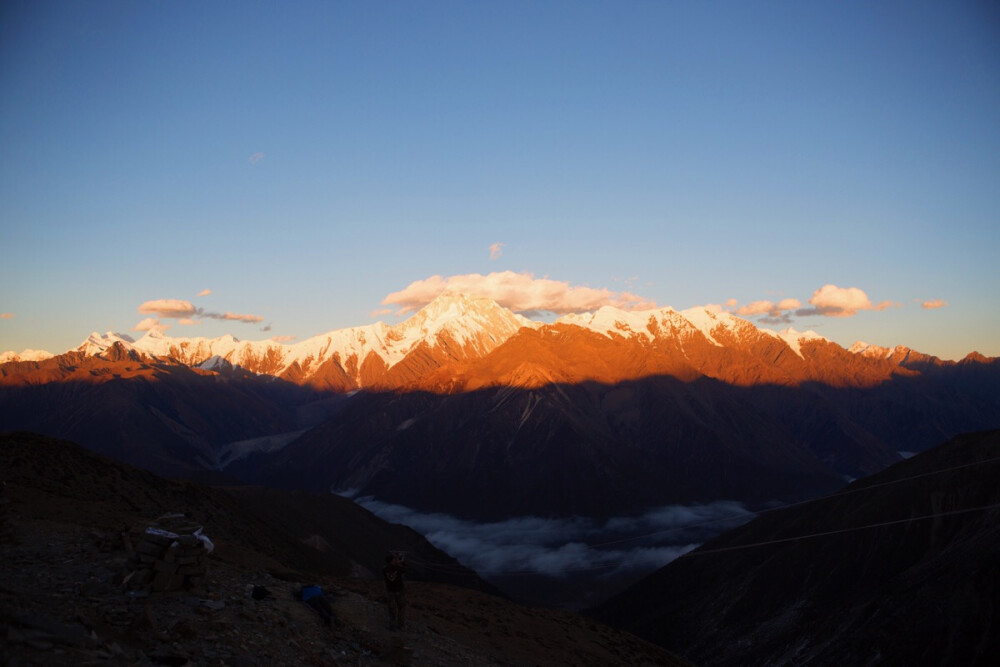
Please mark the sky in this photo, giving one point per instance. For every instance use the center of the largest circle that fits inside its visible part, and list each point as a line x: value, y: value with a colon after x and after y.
x: 286, y: 169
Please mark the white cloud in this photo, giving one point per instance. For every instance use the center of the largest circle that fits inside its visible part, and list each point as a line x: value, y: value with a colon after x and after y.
x: 187, y: 321
x: 255, y: 158
x: 204, y: 292
x: 833, y: 301
x: 520, y: 292
x: 150, y: 324
x: 233, y: 316
x: 776, y: 313
x: 935, y: 303
x: 181, y: 309
x: 756, y: 308
x: 168, y: 308
x: 496, y: 250
x: 555, y: 547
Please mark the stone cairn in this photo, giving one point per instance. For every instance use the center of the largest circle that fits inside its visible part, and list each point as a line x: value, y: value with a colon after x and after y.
x: 168, y: 555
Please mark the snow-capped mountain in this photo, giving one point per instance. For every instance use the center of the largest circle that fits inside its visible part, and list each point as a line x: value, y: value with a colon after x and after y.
x: 455, y: 329
x: 682, y: 325
x: 453, y: 326
x: 25, y: 355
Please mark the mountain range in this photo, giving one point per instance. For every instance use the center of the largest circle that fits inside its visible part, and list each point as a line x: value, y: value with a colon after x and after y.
x: 471, y: 409
x: 457, y: 328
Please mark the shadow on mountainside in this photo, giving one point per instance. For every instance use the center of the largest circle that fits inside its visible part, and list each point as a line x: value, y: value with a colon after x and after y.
x: 597, y: 449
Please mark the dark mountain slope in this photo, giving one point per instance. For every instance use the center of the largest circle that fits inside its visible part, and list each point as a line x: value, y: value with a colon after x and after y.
x: 164, y: 417
x: 861, y: 577
x: 92, y: 490
x: 586, y: 449
x: 597, y: 449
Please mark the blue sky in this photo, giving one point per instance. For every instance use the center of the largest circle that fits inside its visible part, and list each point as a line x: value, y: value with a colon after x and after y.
x: 304, y: 161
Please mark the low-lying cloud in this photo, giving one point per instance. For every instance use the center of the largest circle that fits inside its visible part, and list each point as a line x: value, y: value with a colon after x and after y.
x: 935, y: 303
x: 560, y: 547
x: 520, y: 292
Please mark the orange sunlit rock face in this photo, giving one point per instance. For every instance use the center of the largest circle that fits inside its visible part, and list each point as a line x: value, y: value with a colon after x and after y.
x: 532, y: 357
x: 458, y: 343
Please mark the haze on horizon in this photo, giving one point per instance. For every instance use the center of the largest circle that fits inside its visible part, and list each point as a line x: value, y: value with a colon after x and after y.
x: 280, y: 172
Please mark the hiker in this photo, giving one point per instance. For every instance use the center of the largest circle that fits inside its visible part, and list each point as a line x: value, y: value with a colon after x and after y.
x: 393, y: 573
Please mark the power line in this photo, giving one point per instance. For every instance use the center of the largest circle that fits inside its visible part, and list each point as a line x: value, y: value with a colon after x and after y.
x: 617, y: 563
x: 839, y: 531
x: 838, y: 494
x: 460, y: 569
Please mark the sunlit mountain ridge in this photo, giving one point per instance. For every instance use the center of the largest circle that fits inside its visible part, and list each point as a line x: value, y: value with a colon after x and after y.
x: 450, y: 344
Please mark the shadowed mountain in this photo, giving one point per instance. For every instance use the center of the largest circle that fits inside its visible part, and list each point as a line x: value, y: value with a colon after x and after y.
x: 159, y: 415
x: 587, y: 449
x: 901, y: 568
x: 599, y: 449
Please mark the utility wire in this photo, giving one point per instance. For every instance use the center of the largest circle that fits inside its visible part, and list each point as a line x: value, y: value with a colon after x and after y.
x: 842, y: 530
x: 458, y: 569
x: 609, y: 564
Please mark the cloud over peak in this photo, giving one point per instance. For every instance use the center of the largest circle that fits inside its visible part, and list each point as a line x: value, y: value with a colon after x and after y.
x: 150, y: 324
x: 168, y: 308
x: 769, y: 307
x: 832, y: 301
x: 520, y: 292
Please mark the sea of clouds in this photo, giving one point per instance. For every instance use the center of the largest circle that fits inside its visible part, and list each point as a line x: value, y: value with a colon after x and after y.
x: 557, y: 547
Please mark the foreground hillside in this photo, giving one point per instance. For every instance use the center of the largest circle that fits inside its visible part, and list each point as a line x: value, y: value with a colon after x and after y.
x: 901, y: 568
x: 62, y: 601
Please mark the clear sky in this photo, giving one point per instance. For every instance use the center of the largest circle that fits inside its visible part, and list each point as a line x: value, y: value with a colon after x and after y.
x: 309, y: 165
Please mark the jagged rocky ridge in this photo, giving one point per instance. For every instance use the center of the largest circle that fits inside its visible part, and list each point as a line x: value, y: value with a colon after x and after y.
x: 455, y: 328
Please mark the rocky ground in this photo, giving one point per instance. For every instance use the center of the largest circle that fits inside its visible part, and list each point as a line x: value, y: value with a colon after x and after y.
x: 63, y: 602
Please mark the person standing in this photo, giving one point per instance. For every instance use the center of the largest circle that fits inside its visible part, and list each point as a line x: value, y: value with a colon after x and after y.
x: 392, y: 574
